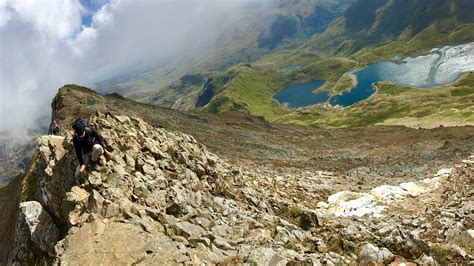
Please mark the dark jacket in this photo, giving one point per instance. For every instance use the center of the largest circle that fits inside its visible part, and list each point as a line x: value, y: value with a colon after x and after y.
x: 83, y: 146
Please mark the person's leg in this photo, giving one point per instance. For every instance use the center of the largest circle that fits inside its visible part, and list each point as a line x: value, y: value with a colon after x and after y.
x: 87, y: 158
x: 97, y: 151
x: 78, y: 171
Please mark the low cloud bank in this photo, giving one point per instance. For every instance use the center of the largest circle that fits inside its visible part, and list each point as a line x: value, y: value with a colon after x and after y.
x: 45, y: 44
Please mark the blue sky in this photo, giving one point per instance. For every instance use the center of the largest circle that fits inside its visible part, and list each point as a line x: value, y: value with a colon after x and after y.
x: 92, y: 6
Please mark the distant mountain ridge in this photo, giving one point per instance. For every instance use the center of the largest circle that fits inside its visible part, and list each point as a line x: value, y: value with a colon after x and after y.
x: 369, y: 23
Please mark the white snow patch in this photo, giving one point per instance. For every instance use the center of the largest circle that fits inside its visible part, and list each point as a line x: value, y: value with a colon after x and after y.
x: 348, y: 203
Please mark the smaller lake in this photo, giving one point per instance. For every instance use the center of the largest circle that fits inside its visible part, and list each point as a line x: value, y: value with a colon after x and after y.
x: 301, y: 94
x: 440, y: 67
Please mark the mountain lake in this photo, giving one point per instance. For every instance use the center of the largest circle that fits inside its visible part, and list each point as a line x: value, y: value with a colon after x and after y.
x: 441, y: 66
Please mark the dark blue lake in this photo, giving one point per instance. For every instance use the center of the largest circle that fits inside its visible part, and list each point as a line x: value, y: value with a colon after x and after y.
x: 302, y: 94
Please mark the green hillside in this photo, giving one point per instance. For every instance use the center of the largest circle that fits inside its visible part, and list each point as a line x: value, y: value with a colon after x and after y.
x: 370, y: 30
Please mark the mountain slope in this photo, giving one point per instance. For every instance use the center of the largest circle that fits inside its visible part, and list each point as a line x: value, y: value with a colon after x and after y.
x: 161, y: 197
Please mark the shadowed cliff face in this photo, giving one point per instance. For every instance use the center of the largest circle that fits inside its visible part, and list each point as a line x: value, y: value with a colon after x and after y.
x: 14, y: 156
x: 9, y: 201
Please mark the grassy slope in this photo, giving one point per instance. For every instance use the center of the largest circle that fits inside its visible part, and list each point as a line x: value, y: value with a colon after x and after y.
x: 331, y: 56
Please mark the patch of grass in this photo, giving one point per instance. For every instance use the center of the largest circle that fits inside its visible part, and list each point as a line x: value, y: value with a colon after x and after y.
x: 289, y: 245
x: 445, y: 254
x: 345, y: 83
x: 462, y: 92
x: 296, y: 212
x: 293, y: 214
x: 29, y: 180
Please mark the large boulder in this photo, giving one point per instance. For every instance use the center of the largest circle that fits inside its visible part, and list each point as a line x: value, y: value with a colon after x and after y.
x: 36, y: 235
x: 266, y: 256
x: 51, y: 174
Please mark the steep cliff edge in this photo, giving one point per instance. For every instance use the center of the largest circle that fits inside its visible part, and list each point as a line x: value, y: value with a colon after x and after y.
x: 162, y: 198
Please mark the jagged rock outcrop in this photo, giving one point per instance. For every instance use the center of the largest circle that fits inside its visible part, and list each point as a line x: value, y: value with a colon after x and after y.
x: 162, y: 198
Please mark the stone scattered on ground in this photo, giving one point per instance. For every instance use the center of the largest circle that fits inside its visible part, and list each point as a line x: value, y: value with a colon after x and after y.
x: 162, y: 198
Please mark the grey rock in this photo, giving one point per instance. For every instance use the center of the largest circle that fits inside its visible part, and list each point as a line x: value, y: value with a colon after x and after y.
x: 95, y: 202
x: 73, y: 204
x: 148, y: 170
x: 130, y: 161
x: 43, y: 232
x: 175, y: 209
x: 140, y: 189
x: 310, y: 219
x: 385, y: 256
x: 188, y: 230
x: 203, y: 222
x: 167, y: 219
x: 265, y: 256
x: 222, y: 231
x: 111, y: 210
x: 369, y: 253
x: 95, y: 179
x: 153, y: 213
x: 222, y: 243
x: 193, y: 241
x: 119, y: 170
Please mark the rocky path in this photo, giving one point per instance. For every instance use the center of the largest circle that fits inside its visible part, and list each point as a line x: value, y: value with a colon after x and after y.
x: 162, y: 198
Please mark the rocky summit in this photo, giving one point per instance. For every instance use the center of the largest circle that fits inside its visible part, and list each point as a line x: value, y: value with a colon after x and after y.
x: 161, y: 198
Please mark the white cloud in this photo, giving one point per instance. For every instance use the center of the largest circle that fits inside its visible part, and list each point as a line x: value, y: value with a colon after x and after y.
x: 52, y: 17
x: 43, y: 45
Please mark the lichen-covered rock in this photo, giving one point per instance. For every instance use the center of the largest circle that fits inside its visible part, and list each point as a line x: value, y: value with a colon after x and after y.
x: 43, y: 231
x: 36, y: 235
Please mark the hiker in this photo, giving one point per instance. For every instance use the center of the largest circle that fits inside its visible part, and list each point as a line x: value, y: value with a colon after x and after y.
x: 53, y: 128
x: 89, y: 146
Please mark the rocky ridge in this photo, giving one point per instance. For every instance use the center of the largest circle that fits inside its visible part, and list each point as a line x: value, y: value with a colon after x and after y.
x: 162, y: 198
